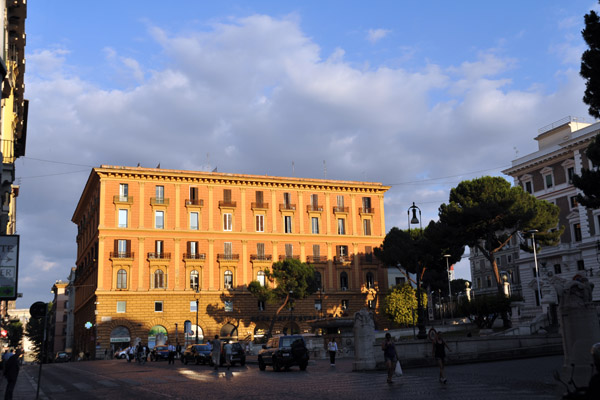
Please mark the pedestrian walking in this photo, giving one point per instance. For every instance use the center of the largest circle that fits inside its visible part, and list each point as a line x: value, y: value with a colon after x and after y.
x: 390, y: 355
x: 439, y: 352
x: 130, y: 354
x: 332, y: 348
x: 228, y: 353
x: 11, y: 372
x: 178, y: 350
x: 171, y: 354
x: 216, y: 352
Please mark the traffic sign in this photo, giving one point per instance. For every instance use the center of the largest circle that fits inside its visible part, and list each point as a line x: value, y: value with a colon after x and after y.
x: 38, y: 309
x: 9, y: 266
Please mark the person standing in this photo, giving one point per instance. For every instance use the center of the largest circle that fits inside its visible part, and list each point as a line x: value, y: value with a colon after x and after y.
x: 178, y: 350
x: 439, y: 352
x: 228, y: 350
x: 216, y: 352
x: 332, y: 348
x: 390, y: 355
x: 11, y: 372
x: 171, y: 358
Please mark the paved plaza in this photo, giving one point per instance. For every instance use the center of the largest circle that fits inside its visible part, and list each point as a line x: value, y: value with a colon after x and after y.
x: 117, y: 379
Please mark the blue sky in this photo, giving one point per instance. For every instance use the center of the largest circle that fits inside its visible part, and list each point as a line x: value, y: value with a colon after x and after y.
x: 418, y: 95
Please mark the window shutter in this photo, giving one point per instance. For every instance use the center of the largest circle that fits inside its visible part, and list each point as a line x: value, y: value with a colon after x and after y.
x: 259, y: 196
x: 116, y: 246
x: 260, y: 249
x: 227, y: 195
x: 128, y: 246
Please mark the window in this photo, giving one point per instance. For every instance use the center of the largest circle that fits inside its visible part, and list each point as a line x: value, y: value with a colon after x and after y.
x: 557, y: 269
x: 318, y: 280
x: 193, y: 306
x: 160, y: 194
x: 123, y: 191
x: 318, y: 305
x: 193, y: 195
x: 194, y: 221
x: 228, y: 249
x: 367, y: 227
x: 159, y: 219
x: 228, y: 280
x: 159, y: 248
x: 366, y: 205
x: 570, y: 174
x: 158, y: 306
x: 121, y: 279
x: 289, y: 250
x: 258, y: 196
x: 228, y: 305
x: 314, y: 201
x: 260, y: 277
x: 227, y: 221
x: 528, y: 188
x: 344, y: 305
x: 342, y: 252
x: 227, y: 196
x: 122, y: 248
x: 122, y: 218
x: 260, y: 251
x: 261, y: 305
x: 315, y: 225
x: 580, y: 265
x: 577, y: 232
x: 344, y: 280
x: 478, y: 281
x: 287, y: 222
x: 192, y: 248
x: 400, y: 281
x: 488, y: 279
x: 316, y: 251
x: 341, y: 226
x: 194, y: 280
x: 121, y: 306
x: 260, y: 223
x: 549, y: 181
x: 509, y: 258
x: 368, y: 254
x: 370, y: 281
x: 340, y: 202
x: 159, y: 279
x: 573, y: 202
x: 287, y: 200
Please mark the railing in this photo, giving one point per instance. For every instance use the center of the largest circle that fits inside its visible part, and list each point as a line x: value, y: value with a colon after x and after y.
x: 121, y: 254
x: 287, y: 207
x: 338, y: 209
x: 223, y: 203
x: 260, y: 205
x: 314, y: 208
x: 159, y: 256
x: 159, y: 201
x: 123, y: 199
x: 316, y: 259
x: 194, y: 202
x: 286, y: 257
x: 228, y: 257
x: 366, y: 210
x: 261, y: 257
x: 194, y: 256
x: 342, y: 259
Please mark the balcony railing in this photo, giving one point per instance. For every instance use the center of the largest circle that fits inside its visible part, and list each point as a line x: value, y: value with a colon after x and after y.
x: 316, y: 259
x: 194, y: 202
x: 261, y: 257
x: 194, y: 256
x: 287, y: 207
x: 123, y: 199
x: 366, y: 210
x: 159, y: 256
x: 314, y: 208
x: 228, y: 257
x: 260, y: 205
x: 121, y: 254
x: 159, y: 201
x: 223, y: 203
x: 342, y: 259
x: 289, y: 257
x: 338, y: 209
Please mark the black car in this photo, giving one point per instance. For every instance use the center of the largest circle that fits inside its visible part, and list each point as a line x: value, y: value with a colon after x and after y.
x: 62, y: 356
x: 159, y: 353
x: 284, y: 352
x: 197, y: 353
x: 238, y: 354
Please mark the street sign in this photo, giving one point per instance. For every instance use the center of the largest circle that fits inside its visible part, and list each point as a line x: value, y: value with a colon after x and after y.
x: 38, y: 309
x: 9, y: 266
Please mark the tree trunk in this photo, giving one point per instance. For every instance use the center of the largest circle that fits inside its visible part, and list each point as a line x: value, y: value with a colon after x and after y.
x: 275, y: 314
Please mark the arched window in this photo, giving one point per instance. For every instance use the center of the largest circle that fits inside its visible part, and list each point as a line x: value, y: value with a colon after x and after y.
x: 194, y: 280
x: 261, y: 278
x: 159, y: 279
x: 370, y: 280
x: 228, y: 280
x: 121, y: 279
x: 344, y: 281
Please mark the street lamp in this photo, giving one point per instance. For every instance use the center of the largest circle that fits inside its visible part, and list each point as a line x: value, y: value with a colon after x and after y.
x: 447, y: 256
x: 537, y: 273
x: 291, y: 312
x: 414, y: 220
x: 197, y: 307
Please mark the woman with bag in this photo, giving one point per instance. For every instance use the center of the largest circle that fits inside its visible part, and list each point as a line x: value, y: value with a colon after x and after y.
x: 390, y: 355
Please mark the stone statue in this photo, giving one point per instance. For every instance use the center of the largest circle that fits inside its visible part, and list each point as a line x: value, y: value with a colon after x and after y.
x: 364, y: 340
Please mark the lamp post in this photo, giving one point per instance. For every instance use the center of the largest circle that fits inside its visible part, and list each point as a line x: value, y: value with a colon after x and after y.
x: 537, y: 273
x: 197, y: 307
x: 447, y: 256
x: 414, y: 220
x: 321, y: 291
x: 291, y: 312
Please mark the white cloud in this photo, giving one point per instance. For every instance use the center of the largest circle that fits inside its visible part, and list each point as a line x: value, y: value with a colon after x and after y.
x: 375, y: 35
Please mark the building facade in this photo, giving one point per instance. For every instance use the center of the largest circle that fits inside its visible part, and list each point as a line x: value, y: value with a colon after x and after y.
x: 60, y: 306
x: 547, y: 174
x: 158, y: 250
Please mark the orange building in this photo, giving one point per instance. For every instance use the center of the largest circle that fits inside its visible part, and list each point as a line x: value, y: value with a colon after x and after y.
x: 158, y: 250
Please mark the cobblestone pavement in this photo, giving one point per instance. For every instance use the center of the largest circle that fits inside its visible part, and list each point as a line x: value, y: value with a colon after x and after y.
x: 117, y: 379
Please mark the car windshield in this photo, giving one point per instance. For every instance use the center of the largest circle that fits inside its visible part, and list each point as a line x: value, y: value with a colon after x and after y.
x: 287, y: 341
x: 202, y: 347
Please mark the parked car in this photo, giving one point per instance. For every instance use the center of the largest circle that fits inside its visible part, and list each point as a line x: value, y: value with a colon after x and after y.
x: 62, y: 356
x: 123, y: 353
x: 159, y: 353
x: 197, y: 353
x: 238, y: 354
x: 284, y: 352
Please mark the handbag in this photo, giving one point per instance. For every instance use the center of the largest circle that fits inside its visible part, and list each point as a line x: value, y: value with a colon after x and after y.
x: 398, y: 370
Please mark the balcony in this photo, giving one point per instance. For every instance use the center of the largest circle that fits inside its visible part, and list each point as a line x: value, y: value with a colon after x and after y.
x: 316, y: 259
x: 289, y: 257
x: 159, y: 256
x: 194, y: 256
x: 228, y: 257
x: 366, y: 210
x: 121, y: 255
x: 159, y: 201
x: 338, y: 209
x: 122, y: 199
x: 343, y: 259
x: 314, y: 208
x: 194, y: 202
x: 261, y: 257
x: 227, y: 204
x: 287, y: 207
x: 261, y: 206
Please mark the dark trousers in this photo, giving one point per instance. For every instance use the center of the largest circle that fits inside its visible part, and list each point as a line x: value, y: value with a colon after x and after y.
x: 332, y: 357
x: 171, y: 357
x: 10, y: 387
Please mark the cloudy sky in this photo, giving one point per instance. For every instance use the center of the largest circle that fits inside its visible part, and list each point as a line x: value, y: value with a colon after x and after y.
x: 416, y: 95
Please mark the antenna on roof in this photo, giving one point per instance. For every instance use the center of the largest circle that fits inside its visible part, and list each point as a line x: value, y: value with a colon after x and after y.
x: 293, y: 169
x: 207, y: 161
x: 325, y: 169
x: 516, y: 152
x: 214, y: 170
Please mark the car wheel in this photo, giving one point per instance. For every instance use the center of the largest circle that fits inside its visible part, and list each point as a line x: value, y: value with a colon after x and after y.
x: 303, y: 366
x: 243, y: 362
x: 261, y: 365
x: 276, y: 366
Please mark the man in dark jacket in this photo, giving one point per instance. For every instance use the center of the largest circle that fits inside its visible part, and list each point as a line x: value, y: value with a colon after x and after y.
x: 11, y: 372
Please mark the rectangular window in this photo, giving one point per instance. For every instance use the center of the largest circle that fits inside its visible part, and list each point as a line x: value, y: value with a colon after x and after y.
x: 194, y: 221
x: 528, y: 188
x: 478, y: 282
x: 318, y: 305
x: 580, y: 265
x: 577, y: 232
x: 122, y: 248
x: 366, y: 204
x: 158, y: 306
x: 557, y: 269
x: 121, y: 306
x: 368, y: 254
x: 367, y: 227
x: 287, y: 199
x: 534, y: 272
x: 342, y: 252
x: 192, y: 248
x: 315, y: 225
x: 123, y: 191
x: 260, y: 251
x: 159, y: 219
x: 549, y: 182
x: 259, y: 197
x: 289, y: 250
x: 340, y: 201
x: 287, y: 222
x: 260, y: 223
x: 228, y: 249
x: 159, y: 247
x: 193, y: 306
x: 573, y: 201
x: 160, y: 194
x: 123, y: 218
x: 314, y: 201
x: 193, y: 194
x: 570, y: 174
x: 489, y: 281
x: 341, y: 226
x: 227, y: 222
x: 261, y: 305
x: 227, y: 196
x: 316, y: 251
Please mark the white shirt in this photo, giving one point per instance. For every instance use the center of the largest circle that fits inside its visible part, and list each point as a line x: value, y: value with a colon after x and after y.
x: 332, y: 346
